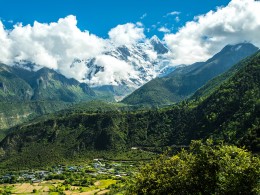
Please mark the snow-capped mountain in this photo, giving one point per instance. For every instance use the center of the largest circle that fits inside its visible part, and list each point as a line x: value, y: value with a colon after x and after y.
x: 119, y: 69
x: 122, y: 69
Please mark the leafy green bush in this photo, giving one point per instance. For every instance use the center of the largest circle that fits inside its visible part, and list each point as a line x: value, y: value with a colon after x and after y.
x: 204, y: 169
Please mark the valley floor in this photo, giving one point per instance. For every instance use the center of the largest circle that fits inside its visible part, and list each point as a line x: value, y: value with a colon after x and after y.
x: 95, y: 177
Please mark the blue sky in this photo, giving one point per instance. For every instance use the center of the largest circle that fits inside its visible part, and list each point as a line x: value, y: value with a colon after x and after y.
x: 99, y: 16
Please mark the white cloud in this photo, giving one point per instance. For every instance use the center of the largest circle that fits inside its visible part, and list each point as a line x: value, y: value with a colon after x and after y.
x: 153, y: 26
x: 5, y: 45
x: 164, y: 30
x: 151, y: 54
x: 53, y: 45
x: 198, y: 40
x: 174, y: 13
x: 139, y: 24
x: 143, y: 16
x: 114, y: 71
x: 126, y: 34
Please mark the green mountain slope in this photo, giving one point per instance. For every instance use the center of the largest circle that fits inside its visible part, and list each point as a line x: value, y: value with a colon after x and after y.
x: 18, y: 84
x: 25, y: 94
x: 12, y: 87
x: 231, y: 113
x: 49, y: 85
x: 214, y: 83
x: 14, y: 113
x: 184, y: 81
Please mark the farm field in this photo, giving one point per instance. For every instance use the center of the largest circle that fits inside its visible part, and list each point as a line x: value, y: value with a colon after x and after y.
x: 55, y: 187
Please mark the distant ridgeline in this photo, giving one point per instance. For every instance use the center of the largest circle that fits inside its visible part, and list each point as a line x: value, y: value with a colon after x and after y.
x: 228, y: 111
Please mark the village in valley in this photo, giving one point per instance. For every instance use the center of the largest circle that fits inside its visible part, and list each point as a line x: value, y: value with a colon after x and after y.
x: 98, y: 176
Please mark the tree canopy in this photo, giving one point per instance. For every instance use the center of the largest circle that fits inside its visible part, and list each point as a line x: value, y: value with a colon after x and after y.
x: 203, y: 169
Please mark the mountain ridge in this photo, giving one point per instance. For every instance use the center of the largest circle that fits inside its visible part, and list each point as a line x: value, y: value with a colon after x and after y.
x: 34, y: 81
x: 185, y: 80
x: 26, y: 94
x: 142, y: 62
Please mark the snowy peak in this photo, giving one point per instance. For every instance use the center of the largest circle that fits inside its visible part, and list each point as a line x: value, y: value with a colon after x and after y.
x: 126, y: 66
x: 158, y: 46
x: 155, y: 39
x: 124, y: 52
x: 131, y: 65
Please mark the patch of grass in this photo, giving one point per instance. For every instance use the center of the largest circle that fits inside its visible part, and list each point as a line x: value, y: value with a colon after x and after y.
x: 103, y: 184
x: 88, y: 189
x: 53, y: 193
x: 6, y: 189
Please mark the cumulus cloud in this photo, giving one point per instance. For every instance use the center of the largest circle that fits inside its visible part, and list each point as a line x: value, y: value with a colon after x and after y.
x: 198, y: 40
x: 126, y: 34
x: 53, y: 45
x: 164, y: 29
x: 5, y: 45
